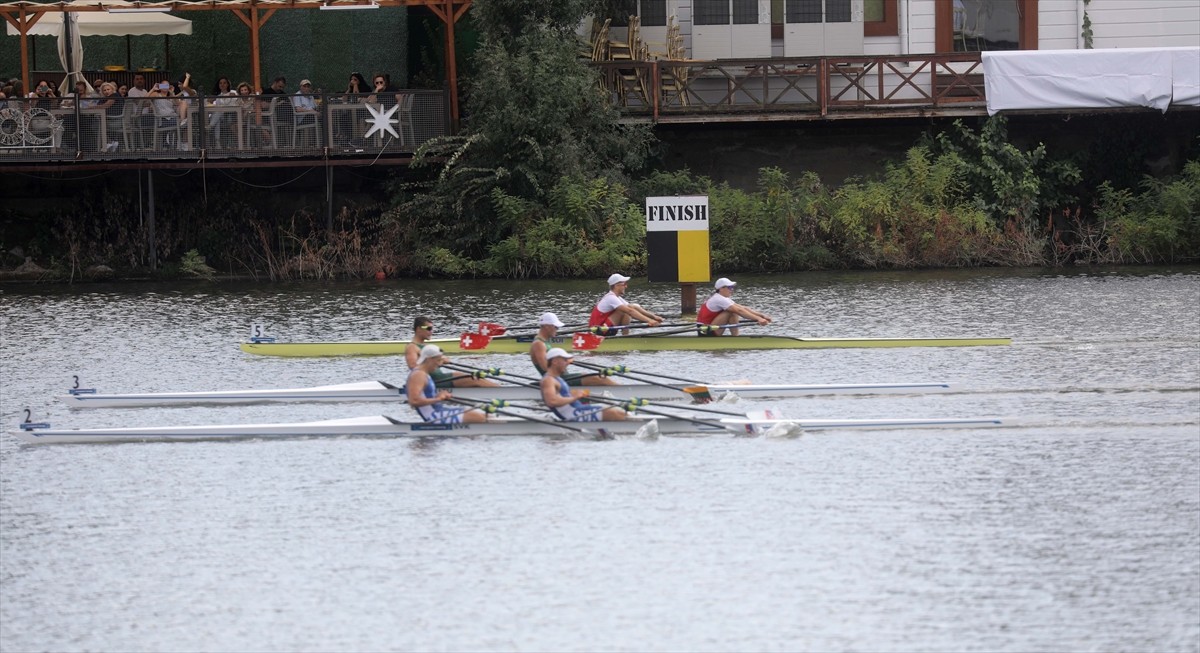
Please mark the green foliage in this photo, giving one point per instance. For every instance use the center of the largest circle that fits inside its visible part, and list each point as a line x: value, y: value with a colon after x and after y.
x: 1159, y: 225
x: 193, y: 265
x: 587, y: 228
x: 1008, y: 183
x: 535, y: 115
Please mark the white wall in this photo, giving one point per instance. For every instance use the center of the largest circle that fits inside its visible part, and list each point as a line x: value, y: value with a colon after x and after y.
x: 1059, y: 24
x: 1115, y: 24
x: 1145, y: 23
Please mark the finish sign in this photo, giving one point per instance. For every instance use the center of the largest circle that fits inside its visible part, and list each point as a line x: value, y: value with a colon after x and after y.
x: 677, y: 246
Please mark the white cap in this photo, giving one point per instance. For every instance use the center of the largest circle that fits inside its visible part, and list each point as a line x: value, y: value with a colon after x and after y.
x: 557, y: 352
x: 427, y: 352
x: 724, y: 282
x: 617, y: 278
x: 550, y: 318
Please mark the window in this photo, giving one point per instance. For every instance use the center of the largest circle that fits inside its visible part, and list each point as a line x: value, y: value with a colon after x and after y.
x: 803, y: 11
x: 653, y: 13
x: 837, y: 11
x: 818, y: 11
x: 983, y: 25
x: 745, y: 12
x: 711, y: 12
x: 879, y: 18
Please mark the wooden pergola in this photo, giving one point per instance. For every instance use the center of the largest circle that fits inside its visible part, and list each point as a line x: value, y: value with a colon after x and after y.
x: 254, y: 13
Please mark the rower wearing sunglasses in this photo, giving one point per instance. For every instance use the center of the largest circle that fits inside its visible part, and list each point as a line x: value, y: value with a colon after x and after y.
x: 422, y: 332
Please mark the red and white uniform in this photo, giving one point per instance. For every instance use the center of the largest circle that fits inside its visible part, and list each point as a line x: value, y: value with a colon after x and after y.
x: 604, y: 309
x: 714, y: 306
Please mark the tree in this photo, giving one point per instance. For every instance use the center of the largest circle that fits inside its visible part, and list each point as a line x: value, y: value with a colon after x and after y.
x: 534, y: 114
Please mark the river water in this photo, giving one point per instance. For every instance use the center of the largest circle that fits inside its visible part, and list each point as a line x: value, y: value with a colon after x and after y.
x: 1077, y: 530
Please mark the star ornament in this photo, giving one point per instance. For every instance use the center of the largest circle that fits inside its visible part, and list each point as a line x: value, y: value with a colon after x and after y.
x: 381, y: 121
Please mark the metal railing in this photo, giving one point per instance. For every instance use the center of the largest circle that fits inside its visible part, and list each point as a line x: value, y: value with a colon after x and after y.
x: 804, y: 87
x: 223, y: 127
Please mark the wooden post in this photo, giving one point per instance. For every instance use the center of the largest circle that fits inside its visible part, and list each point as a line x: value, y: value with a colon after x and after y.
x: 150, y: 226
x: 687, y: 298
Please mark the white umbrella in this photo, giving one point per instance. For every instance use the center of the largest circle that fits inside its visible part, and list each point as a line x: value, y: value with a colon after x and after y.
x: 70, y: 52
x: 101, y: 23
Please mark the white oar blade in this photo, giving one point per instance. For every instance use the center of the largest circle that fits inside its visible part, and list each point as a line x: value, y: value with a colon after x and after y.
x: 729, y: 398
x: 784, y: 430
x: 649, y: 431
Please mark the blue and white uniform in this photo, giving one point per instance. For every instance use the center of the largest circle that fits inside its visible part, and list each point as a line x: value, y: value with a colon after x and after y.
x: 576, y: 411
x: 438, y: 413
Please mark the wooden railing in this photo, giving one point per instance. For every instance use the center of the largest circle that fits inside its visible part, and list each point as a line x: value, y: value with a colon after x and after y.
x: 806, y: 87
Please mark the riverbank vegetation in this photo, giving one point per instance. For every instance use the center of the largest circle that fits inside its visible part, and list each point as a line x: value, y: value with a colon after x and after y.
x: 545, y: 181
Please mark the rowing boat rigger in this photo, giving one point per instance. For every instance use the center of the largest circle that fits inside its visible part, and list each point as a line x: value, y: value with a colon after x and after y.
x: 382, y: 426
x: 377, y: 391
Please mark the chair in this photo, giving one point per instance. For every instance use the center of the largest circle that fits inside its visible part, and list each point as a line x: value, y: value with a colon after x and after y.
x: 306, y: 121
x: 628, y: 49
x: 600, y: 42
x: 118, y: 127
x: 405, y: 115
x: 166, y: 126
x: 260, y: 126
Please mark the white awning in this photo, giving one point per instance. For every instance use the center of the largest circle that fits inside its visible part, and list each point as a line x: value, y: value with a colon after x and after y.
x: 1084, y: 79
x: 102, y: 23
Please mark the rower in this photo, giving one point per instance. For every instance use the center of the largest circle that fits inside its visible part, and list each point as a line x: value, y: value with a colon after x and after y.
x: 565, y: 402
x: 422, y: 332
x: 426, y: 398
x: 548, y: 326
x: 720, y: 309
x: 614, y: 311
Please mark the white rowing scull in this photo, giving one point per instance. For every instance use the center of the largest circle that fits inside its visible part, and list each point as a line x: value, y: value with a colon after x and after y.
x: 380, y: 391
x: 382, y: 426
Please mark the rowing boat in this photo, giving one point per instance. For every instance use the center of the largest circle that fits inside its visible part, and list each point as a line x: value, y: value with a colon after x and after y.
x: 520, y: 344
x: 382, y: 426
x: 380, y: 391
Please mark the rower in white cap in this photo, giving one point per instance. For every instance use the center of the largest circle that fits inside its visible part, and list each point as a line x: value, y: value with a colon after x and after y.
x: 548, y: 326
x: 613, y: 311
x: 424, y: 396
x: 565, y: 402
x: 720, y: 309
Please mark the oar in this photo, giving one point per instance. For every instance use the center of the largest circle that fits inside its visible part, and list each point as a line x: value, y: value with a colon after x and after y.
x: 469, y: 340
x: 633, y: 405
x: 621, y: 370
x: 697, y: 391
x: 707, y: 328
x: 590, y: 341
x: 639, y: 325
x: 491, y: 371
x: 497, y: 329
x: 492, y: 408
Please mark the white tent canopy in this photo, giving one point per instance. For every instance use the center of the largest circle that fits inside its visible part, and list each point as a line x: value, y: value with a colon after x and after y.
x: 102, y: 23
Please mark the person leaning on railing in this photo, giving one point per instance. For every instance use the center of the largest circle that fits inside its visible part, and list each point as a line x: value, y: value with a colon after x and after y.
x: 113, y: 106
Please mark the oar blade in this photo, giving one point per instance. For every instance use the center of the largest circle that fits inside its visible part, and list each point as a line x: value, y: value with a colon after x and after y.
x: 586, y: 341
x: 491, y: 329
x: 473, y: 341
x: 698, y: 393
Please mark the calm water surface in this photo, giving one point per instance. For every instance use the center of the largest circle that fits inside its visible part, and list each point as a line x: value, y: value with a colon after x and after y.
x: 1078, y: 530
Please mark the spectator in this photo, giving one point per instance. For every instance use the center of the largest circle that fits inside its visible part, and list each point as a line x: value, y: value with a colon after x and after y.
x: 305, y: 106
x: 384, y: 95
x: 114, y: 109
x: 283, y: 109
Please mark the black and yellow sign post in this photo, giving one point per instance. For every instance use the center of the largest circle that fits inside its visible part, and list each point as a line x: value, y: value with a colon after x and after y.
x: 677, y: 247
